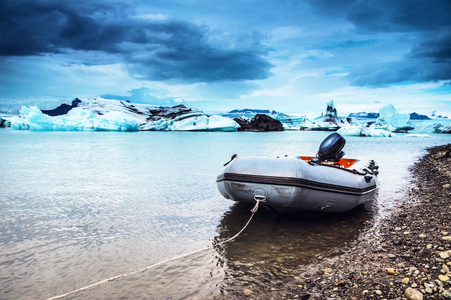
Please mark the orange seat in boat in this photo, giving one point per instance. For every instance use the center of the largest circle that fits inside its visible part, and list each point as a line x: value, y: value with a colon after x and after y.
x: 344, y: 162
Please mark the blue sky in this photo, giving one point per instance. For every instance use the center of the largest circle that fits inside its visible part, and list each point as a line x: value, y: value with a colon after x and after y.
x: 289, y: 55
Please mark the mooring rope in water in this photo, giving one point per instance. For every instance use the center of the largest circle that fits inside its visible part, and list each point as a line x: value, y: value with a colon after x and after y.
x: 257, y: 198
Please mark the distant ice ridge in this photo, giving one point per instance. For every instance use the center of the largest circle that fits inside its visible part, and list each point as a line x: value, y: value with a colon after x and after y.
x: 433, y: 126
x: 114, y: 115
x: 388, y: 122
x: 354, y: 130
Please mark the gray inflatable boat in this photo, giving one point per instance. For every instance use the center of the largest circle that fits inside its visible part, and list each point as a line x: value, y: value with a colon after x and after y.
x: 327, y: 182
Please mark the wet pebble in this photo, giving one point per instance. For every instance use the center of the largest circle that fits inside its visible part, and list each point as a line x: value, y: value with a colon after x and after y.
x: 397, y: 241
x: 390, y: 271
x: 413, y: 294
x: 304, y: 296
x: 247, y: 292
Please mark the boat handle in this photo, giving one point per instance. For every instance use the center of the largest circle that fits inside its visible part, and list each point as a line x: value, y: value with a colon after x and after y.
x: 368, y: 178
x: 232, y: 158
x: 260, y: 198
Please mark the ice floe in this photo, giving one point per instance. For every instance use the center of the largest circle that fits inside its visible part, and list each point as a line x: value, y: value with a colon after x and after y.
x: 418, y: 135
x: 323, y: 122
x: 389, y: 119
x: 353, y: 130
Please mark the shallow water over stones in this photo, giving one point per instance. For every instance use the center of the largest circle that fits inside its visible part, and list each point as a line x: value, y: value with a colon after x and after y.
x: 274, y: 245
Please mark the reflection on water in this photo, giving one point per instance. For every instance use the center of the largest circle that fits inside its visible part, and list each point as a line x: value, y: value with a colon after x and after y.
x: 274, y: 245
x: 197, y: 276
x: 261, y: 258
x: 76, y: 208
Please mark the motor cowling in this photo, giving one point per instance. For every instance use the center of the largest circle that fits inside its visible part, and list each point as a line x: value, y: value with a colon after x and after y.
x: 330, y: 148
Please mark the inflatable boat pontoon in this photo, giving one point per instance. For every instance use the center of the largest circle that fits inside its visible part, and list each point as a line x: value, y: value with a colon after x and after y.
x: 326, y: 182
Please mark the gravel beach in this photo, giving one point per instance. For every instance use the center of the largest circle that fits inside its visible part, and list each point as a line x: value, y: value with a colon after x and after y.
x: 405, y: 256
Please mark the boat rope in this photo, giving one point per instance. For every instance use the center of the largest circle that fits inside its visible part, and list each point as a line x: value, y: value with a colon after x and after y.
x: 257, y: 199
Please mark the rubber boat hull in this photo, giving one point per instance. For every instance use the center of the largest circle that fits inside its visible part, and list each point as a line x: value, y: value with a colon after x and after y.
x: 297, y: 183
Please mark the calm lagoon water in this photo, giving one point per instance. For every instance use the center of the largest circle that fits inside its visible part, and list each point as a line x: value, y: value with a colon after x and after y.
x: 80, y: 207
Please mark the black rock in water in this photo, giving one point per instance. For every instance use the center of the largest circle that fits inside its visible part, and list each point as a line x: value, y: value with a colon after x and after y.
x: 260, y: 122
x: 3, y: 123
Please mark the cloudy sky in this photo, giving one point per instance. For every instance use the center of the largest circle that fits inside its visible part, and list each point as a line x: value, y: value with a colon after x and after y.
x: 290, y: 55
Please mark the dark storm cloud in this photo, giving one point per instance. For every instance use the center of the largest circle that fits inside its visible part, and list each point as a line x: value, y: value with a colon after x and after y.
x: 38, y: 27
x: 435, y: 46
x: 188, y: 61
x: 154, y: 49
x: 387, y: 15
x: 426, y: 23
x: 414, y: 70
x: 430, y: 60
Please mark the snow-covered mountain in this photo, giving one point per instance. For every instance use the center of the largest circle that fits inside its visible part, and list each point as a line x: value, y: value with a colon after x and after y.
x: 441, y: 114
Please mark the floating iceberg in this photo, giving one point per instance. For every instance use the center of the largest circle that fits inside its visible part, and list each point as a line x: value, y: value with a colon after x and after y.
x: 323, y: 122
x: 114, y: 115
x: 181, y: 118
x: 350, y: 130
x: 289, y: 122
x: 390, y: 119
x: 439, y: 128
x: 418, y: 135
x: 355, y: 130
x: 374, y: 132
x: 32, y: 118
x: 192, y: 122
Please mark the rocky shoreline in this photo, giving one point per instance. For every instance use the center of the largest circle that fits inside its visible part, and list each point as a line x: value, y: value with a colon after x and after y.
x: 406, y: 256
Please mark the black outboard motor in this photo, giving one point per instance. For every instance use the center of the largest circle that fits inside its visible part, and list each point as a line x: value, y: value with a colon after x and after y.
x: 330, y: 148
